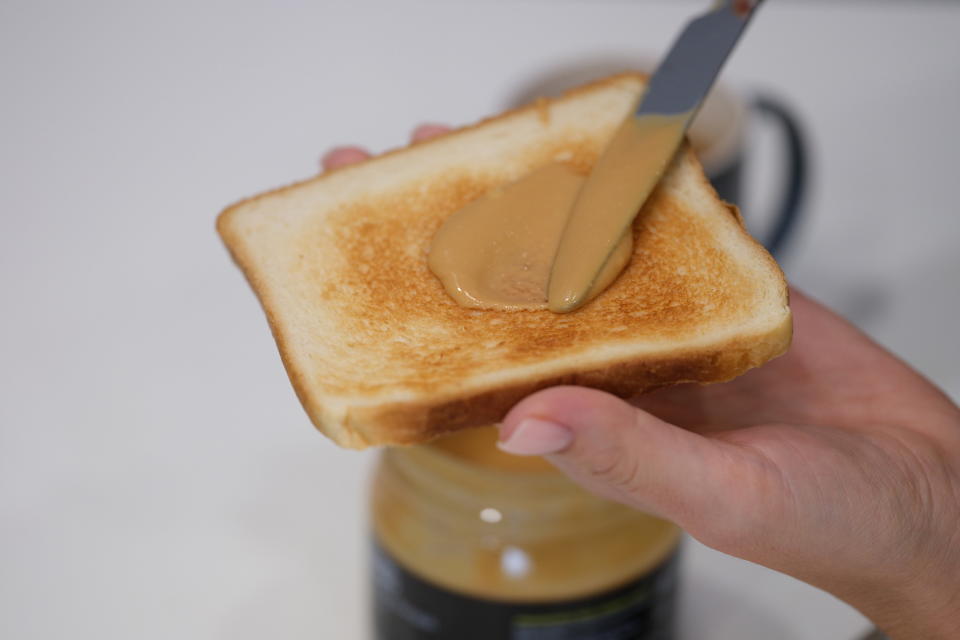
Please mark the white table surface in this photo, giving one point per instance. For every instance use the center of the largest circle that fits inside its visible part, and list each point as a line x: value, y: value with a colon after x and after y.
x: 157, y: 477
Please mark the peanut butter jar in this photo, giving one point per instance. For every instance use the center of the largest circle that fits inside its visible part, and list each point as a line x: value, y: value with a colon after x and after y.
x: 471, y: 543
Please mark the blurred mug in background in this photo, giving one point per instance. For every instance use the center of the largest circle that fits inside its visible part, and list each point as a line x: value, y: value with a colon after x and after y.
x: 718, y: 137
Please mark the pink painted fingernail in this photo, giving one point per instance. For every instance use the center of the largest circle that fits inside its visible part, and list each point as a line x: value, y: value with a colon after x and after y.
x: 429, y: 130
x: 343, y: 156
x: 534, y: 437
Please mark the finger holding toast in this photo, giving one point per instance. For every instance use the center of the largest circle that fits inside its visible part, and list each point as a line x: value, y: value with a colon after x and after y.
x: 836, y: 463
x: 347, y: 155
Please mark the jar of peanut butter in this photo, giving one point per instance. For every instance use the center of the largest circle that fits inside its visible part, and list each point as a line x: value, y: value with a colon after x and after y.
x: 471, y: 543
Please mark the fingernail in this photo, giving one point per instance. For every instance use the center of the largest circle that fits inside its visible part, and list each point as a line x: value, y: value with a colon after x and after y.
x: 429, y: 130
x: 534, y: 437
x: 342, y: 156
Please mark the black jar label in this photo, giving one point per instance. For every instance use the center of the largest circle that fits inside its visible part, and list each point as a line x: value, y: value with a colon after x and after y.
x: 407, y: 607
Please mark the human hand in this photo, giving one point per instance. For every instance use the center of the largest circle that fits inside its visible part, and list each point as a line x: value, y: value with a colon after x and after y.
x: 836, y: 463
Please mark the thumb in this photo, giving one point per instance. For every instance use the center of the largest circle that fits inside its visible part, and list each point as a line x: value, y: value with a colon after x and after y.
x: 622, y: 453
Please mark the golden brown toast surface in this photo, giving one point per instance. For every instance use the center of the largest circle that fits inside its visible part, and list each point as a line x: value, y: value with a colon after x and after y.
x: 379, y: 353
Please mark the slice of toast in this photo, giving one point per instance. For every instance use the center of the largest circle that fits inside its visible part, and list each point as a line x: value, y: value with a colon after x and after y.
x: 379, y: 354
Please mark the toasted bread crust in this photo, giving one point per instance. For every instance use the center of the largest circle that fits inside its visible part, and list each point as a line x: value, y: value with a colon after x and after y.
x: 416, y: 422
x: 428, y: 391
x: 539, y: 107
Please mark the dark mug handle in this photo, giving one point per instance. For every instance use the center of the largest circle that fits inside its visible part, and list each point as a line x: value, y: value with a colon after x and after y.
x: 795, y: 168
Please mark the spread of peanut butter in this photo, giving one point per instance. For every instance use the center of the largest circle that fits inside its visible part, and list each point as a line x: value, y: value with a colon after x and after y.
x: 555, y: 239
x: 496, y: 252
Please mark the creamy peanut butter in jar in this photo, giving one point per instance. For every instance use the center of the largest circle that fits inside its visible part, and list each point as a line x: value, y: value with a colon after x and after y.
x: 472, y: 543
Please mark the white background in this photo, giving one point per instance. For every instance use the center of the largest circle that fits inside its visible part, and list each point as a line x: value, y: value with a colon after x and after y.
x: 157, y: 476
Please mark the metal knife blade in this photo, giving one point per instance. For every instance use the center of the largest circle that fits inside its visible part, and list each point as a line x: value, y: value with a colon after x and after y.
x: 684, y: 77
x: 675, y: 92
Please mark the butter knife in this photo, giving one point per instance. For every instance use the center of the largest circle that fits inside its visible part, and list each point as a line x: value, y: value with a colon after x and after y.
x: 606, y: 204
